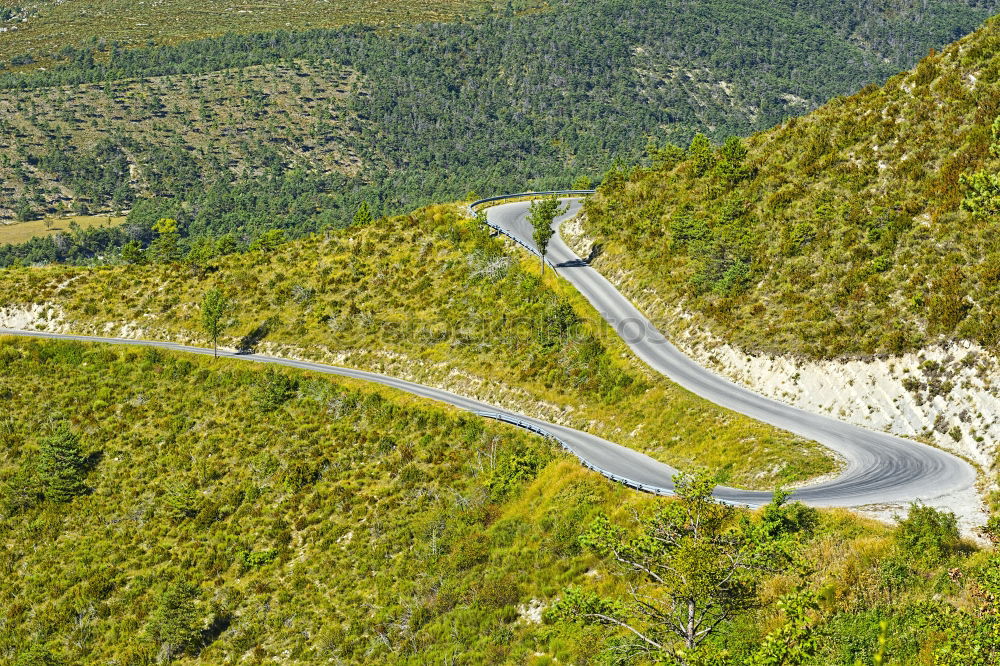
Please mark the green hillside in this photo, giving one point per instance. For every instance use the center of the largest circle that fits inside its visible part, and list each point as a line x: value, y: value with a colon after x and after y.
x: 431, y: 297
x: 162, y: 507
x: 305, y: 516
x: 867, y: 226
x: 295, y: 129
x: 261, y: 160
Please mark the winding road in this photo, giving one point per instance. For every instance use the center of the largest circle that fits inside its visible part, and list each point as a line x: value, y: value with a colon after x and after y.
x: 880, y: 468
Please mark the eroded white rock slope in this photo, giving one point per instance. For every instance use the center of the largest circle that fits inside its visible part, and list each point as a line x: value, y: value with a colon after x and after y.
x: 948, y: 395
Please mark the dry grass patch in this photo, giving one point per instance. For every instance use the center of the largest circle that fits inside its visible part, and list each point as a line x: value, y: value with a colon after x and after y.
x: 19, y: 232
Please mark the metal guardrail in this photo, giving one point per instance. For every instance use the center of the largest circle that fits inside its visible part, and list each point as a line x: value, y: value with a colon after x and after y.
x: 519, y: 195
x: 518, y: 241
x: 629, y: 483
x: 643, y: 487
x: 502, y: 197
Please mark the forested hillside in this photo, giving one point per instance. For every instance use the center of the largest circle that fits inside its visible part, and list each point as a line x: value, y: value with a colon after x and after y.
x: 430, y: 297
x: 867, y: 226
x: 161, y: 507
x: 295, y: 129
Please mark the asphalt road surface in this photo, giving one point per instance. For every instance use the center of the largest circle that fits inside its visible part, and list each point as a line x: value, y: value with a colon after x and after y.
x: 880, y: 468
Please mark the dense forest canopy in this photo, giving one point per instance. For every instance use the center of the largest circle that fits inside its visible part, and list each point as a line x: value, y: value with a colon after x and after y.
x: 433, y: 113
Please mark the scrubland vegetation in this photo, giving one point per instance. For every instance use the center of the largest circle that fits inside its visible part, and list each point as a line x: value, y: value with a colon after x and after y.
x: 159, y: 506
x: 867, y: 226
x: 39, y: 31
x: 433, y: 297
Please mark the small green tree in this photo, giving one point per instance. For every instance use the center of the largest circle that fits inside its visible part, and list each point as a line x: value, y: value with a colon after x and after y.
x: 581, y: 183
x: 363, y: 215
x: 692, y: 565
x: 61, y: 465
x: 542, y: 214
x: 226, y: 244
x: 665, y: 156
x: 132, y: 253
x: 24, y: 211
x: 701, y: 155
x: 215, y: 309
x: 269, y: 241
x: 175, y: 624
x: 166, y: 246
x: 732, y: 167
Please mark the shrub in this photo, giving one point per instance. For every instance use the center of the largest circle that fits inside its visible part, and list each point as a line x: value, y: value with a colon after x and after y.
x: 928, y: 535
x: 274, y: 390
x: 175, y: 622
x: 61, y: 465
x: 512, y: 469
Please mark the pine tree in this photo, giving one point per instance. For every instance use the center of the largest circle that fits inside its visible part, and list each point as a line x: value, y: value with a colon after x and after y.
x: 62, y: 465
x: 175, y: 622
x: 132, y: 253
x: 364, y: 215
x: 166, y: 246
x: 701, y: 154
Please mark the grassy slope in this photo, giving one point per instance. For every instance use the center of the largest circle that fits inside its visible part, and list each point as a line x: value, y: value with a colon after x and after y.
x: 432, y: 297
x: 350, y: 490
x: 351, y: 523
x: 852, y: 220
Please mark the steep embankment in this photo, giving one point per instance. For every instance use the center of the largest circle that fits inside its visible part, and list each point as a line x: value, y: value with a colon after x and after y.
x: 431, y: 298
x: 848, y: 233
